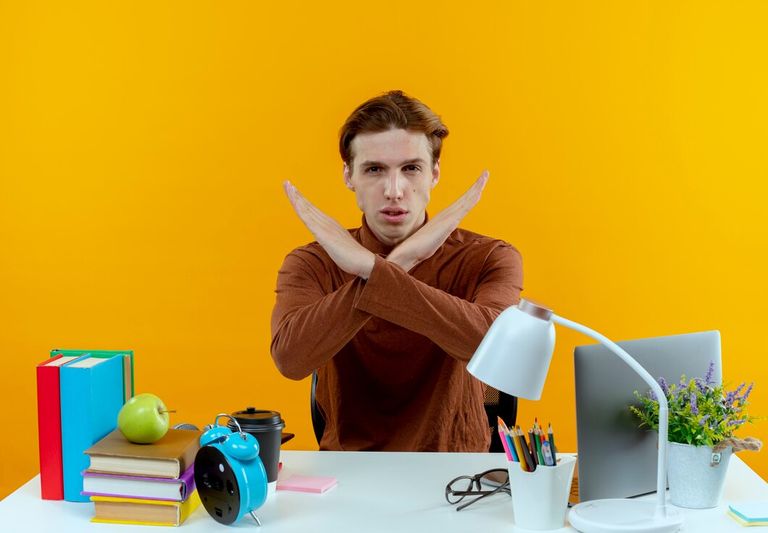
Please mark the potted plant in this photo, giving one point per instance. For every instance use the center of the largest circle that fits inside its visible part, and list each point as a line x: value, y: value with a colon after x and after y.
x: 703, y: 418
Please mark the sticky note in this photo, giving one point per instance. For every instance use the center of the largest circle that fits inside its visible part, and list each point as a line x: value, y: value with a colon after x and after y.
x: 298, y: 483
x: 755, y: 511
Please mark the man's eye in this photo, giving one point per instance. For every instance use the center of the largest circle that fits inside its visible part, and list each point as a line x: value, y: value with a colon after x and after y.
x: 372, y: 169
x: 412, y: 168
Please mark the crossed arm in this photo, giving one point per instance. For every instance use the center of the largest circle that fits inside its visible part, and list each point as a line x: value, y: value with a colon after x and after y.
x: 310, y: 323
x: 353, y: 258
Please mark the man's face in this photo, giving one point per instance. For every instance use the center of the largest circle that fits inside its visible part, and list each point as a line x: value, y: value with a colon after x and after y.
x: 392, y: 177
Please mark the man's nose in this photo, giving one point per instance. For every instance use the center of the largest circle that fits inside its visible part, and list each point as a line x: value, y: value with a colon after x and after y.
x: 394, y: 187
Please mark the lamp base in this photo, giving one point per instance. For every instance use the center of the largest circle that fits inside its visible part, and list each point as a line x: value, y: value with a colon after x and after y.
x: 623, y: 516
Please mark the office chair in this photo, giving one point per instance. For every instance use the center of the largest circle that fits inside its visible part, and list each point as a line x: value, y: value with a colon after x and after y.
x: 318, y: 422
x: 497, y: 403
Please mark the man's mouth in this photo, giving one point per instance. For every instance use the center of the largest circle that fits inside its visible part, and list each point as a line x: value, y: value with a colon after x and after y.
x: 394, y: 214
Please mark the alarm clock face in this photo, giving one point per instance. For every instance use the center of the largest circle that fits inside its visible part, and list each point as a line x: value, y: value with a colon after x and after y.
x: 217, y: 485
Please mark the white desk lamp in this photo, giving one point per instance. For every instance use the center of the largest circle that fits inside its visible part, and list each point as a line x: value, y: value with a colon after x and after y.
x: 514, y: 358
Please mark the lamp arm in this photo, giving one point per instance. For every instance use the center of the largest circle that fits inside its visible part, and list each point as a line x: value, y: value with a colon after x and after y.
x: 661, y: 470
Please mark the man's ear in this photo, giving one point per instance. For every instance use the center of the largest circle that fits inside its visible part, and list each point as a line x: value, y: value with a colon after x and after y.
x: 435, y: 173
x: 348, y: 177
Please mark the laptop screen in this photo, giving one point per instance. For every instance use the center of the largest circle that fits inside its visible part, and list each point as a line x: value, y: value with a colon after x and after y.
x: 616, y: 459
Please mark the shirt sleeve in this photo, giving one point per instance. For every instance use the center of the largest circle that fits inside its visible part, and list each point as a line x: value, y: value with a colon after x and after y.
x: 455, y: 324
x: 310, y: 324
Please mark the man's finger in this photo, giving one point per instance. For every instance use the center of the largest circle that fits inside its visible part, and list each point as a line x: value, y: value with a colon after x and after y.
x: 290, y: 192
x: 479, y: 184
x: 299, y: 202
x: 484, y: 179
x: 319, y: 224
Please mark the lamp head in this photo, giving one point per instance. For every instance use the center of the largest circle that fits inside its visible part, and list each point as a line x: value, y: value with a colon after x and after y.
x: 514, y: 355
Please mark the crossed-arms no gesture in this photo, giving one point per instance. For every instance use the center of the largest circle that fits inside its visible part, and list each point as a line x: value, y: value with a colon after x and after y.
x: 353, y: 258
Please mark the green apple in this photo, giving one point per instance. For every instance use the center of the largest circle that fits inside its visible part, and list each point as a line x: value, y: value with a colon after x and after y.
x: 143, y: 419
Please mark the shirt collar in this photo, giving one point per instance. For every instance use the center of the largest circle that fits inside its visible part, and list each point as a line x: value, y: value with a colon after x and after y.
x: 370, y: 242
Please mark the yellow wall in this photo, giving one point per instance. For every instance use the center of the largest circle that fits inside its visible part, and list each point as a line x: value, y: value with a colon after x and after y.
x: 142, y: 146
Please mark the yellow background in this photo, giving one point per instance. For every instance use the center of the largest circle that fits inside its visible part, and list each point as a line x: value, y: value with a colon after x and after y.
x: 142, y: 147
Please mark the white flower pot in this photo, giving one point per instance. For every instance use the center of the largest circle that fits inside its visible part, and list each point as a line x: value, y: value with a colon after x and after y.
x: 696, y: 475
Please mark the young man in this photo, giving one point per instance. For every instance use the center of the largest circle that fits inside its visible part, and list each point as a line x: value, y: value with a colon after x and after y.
x: 390, y: 313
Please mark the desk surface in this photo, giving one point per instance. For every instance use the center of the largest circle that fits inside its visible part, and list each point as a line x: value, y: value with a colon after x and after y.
x: 400, y: 492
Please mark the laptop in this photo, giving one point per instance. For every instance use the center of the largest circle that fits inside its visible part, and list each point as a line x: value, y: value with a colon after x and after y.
x: 615, y: 458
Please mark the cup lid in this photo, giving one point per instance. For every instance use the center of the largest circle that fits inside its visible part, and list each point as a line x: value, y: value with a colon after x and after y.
x: 252, y: 419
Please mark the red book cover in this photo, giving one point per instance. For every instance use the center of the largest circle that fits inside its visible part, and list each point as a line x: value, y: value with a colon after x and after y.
x: 49, y: 427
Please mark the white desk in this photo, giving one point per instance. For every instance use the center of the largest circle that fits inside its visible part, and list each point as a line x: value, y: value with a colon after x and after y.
x: 400, y: 492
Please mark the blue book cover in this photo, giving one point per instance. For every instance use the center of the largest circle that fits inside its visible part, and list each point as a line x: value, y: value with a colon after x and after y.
x: 91, y: 397
x: 127, y: 371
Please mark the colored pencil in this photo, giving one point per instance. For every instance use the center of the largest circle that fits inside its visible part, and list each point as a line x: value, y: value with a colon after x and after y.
x: 516, y: 441
x: 537, y: 437
x: 552, y: 444
x: 532, y: 446
x: 504, y: 444
x: 526, y: 454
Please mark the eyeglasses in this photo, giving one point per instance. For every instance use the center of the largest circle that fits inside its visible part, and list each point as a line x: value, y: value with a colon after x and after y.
x: 463, y: 486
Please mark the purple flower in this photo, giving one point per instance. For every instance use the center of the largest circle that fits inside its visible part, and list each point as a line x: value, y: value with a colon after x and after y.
x: 700, y: 385
x: 710, y: 372
x: 729, y: 398
x: 736, y: 422
x: 703, y: 420
x: 694, y: 406
x: 664, y: 386
x: 651, y: 394
x: 746, y: 394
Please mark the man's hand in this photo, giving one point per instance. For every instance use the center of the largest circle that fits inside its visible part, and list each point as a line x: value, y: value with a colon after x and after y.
x: 425, y: 242
x: 346, y: 252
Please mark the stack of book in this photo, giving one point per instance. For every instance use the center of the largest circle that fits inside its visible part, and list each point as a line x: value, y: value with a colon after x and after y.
x: 148, y: 484
x: 79, y: 395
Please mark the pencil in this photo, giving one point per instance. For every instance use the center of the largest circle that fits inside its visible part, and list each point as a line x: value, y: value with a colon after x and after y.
x: 505, y: 444
x: 532, y: 444
x: 537, y: 437
x: 526, y: 454
x: 545, y: 450
x: 519, y: 450
x: 501, y: 427
x: 501, y: 424
x: 552, y: 444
